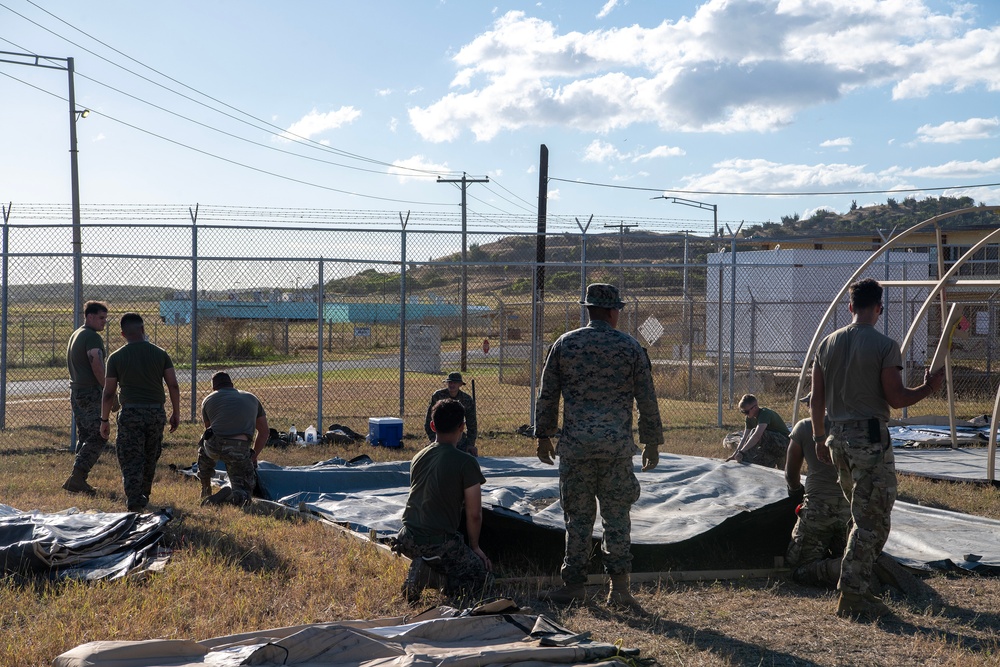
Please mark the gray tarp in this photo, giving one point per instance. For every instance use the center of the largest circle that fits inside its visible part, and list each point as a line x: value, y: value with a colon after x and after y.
x: 437, y: 637
x: 77, y: 545
x: 683, y: 499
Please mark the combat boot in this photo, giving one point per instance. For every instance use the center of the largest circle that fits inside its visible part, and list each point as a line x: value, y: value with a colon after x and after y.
x: 823, y: 573
x: 861, y: 606
x: 220, y: 497
x: 77, y: 483
x: 417, y: 578
x: 620, y: 597
x: 567, y: 594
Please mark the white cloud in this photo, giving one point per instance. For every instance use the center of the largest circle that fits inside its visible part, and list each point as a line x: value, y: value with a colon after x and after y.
x: 384, y: 92
x: 730, y: 67
x: 601, y: 151
x: 841, y: 142
x: 417, y: 168
x: 393, y: 124
x: 952, y: 132
x: 660, y: 151
x: 553, y: 195
x: 952, y: 169
x: 759, y: 175
x: 314, y: 123
x: 606, y: 9
x: 100, y: 137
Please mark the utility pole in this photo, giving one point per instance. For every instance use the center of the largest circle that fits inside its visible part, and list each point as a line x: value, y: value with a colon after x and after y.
x: 622, y: 230
x: 465, y: 182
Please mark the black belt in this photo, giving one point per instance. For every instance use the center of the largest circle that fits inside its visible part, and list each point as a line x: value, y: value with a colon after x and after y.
x: 237, y: 440
x: 142, y: 405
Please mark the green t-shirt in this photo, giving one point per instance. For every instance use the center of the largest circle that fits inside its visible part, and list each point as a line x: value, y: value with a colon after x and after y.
x: 232, y: 412
x: 852, y: 360
x: 771, y: 418
x: 439, y: 476
x: 821, y: 481
x: 139, y: 367
x: 80, y: 343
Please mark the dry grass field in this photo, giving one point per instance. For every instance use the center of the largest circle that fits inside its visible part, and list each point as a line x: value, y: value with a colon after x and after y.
x: 234, y: 571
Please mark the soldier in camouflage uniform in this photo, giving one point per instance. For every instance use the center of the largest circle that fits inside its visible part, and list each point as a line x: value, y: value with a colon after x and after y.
x: 599, y: 372
x: 857, y: 378
x: 442, y: 480
x: 453, y: 390
x: 820, y: 533
x: 230, y: 417
x: 140, y: 369
x: 85, y: 359
x: 765, y: 435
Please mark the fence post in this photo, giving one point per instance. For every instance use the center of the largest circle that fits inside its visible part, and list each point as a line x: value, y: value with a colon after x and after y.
x: 194, y: 310
x: 753, y: 341
x: 3, y: 329
x: 402, y: 313
x: 320, y: 296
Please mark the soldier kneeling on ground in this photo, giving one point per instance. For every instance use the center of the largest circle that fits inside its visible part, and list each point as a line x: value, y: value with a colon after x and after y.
x: 442, y: 480
x: 231, y: 417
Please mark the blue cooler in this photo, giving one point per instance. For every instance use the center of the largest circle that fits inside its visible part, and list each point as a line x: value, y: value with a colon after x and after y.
x: 385, y: 431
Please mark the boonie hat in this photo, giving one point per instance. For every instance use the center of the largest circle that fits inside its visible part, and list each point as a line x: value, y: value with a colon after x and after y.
x: 454, y: 377
x: 603, y: 295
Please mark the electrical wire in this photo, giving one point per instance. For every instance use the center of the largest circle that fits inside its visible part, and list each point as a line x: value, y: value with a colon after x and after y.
x: 281, y: 131
x: 720, y: 193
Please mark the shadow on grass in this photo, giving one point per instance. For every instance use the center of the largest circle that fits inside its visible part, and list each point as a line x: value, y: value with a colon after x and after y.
x: 248, y: 555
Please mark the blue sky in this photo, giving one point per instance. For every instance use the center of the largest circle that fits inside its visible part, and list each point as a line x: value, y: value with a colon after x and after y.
x: 362, y: 105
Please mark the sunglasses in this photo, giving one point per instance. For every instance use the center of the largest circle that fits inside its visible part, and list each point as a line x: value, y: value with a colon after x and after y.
x: 745, y: 412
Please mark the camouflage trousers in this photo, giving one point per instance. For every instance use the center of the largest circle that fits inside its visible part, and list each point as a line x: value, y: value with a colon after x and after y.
x: 87, y: 414
x: 820, y: 532
x: 139, y: 443
x: 868, y: 477
x: 770, y: 450
x: 452, y: 559
x: 582, y: 485
x: 236, y: 454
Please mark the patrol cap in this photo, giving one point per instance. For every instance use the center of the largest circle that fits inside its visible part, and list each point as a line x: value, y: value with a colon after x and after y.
x: 603, y: 295
x: 454, y: 377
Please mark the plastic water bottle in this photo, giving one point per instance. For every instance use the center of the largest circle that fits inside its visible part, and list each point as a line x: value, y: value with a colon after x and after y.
x: 311, y: 435
x: 293, y: 435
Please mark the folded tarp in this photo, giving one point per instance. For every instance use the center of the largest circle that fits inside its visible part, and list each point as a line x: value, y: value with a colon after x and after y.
x: 437, y: 637
x: 78, y: 545
x: 693, y: 512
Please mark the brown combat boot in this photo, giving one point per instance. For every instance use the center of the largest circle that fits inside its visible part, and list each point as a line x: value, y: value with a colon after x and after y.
x: 567, y: 594
x: 620, y: 597
x: 861, y: 606
x: 77, y: 483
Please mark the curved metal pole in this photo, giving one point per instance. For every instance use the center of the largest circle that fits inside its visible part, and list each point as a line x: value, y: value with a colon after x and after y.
x: 871, y: 260
x: 941, y: 284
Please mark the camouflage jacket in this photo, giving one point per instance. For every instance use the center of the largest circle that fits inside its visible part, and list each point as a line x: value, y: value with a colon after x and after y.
x: 599, y: 371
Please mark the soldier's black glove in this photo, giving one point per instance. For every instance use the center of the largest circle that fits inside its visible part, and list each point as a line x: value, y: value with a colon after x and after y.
x: 545, y: 450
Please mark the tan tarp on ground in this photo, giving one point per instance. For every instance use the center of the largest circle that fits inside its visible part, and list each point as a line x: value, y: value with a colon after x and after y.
x: 435, y: 637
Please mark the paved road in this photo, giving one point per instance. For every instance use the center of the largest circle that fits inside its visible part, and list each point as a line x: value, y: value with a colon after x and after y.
x: 60, y: 387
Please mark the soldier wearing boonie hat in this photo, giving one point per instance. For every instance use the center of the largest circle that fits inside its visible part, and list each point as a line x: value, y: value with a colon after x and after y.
x: 600, y: 373
x: 455, y: 381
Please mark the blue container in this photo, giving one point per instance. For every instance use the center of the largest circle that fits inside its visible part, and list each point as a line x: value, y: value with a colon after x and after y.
x: 385, y: 431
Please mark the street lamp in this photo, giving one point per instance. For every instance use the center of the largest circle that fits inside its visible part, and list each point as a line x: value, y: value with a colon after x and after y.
x: 715, y: 234
x: 48, y: 62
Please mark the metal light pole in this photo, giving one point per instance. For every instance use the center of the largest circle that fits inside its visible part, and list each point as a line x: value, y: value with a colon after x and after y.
x: 49, y: 62
x: 715, y: 235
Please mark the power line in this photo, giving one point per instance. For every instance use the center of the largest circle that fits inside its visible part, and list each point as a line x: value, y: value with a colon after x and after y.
x: 281, y: 131
x: 774, y: 194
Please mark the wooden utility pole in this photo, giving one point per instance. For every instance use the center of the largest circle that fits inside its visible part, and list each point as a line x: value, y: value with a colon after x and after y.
x: 464, y: 181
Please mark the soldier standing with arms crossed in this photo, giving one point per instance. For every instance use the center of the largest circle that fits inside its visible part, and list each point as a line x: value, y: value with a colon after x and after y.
x: 599, y: 372
x: 140, y: 368
x: 857, y: 379
x: 85, y: 359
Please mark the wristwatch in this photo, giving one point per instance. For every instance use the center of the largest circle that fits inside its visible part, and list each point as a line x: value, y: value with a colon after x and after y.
x: 820, y: 438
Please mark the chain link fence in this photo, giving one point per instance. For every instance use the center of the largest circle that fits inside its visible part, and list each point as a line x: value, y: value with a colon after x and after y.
x: 336, y: 324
